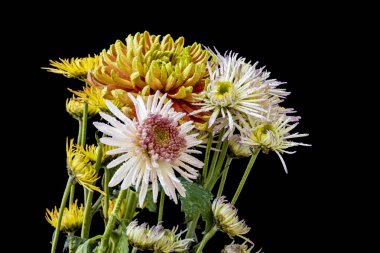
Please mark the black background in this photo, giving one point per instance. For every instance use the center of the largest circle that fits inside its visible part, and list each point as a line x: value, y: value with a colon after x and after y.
x: 287, y: 213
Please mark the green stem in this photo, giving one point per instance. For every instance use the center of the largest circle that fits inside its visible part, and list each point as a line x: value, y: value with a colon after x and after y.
x: 79, y: 139
x: 87, y: 210
x: 87, y: 216
x: 96, y: 205
x: 192, y: 226
x: 60, y: 215
x: 161, y: 207
x: 207, y: 156
x: 245, y: 176
x: 224, y: 176
x: 84, y: 125
x: 206, y: 238
x: 130, y: 206
x: 71, y: 242
x: 216, y: 172
x: 214, y: 158
x: 134, y: 250
x: 72, y: 194
x: 107, y: 191
x: 111, y: 222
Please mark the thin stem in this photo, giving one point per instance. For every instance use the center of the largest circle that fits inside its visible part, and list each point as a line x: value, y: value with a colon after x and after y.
x: 87, y: 210
x: 87, y: 216
x: 84, y: 125
x: 224, y: 176
x: 71, y: 242
x: 107, y: 191
x: 72, y: 194
x: 130, y: 206
x: 111, y: 222
x: 79, y: 132
x: 161, y: 207
x: 214, y: 157
x: 96, y: 205
x: 207, y: 156
x: 216, y: 172
x: 134, y: 250
x: 60, y: 215
x: 206, y: 238
x: 192, y: 226
x: 245, y: 176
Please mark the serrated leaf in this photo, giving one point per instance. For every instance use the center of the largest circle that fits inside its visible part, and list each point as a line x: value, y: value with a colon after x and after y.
x: 87, y: 246
x: 149, y: 204
x: 197, y: 201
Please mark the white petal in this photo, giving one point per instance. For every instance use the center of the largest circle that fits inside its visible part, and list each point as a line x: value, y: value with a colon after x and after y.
x: 118, y: 160
x: 117, y: 112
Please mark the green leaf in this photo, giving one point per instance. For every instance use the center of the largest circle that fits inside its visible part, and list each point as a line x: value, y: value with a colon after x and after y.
x: 149, y: 204
x: 122, y: 245
x: 87, y: 246
x: 197, y: 201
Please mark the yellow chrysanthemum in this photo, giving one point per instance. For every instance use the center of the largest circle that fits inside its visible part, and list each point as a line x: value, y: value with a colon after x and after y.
x: 74, y: 67
x: 111, y: 205
x: 75, y: 108
x: 71, y: 220
x: 91, y: 152
x: 81, y: 168
x: 147, y: 63
x: 97, y: 98
x: 225, y: 215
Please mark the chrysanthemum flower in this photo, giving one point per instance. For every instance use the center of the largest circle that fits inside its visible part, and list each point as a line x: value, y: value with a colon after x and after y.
x: 142, y: 237
x: 236, y: 248
x: 96, y: 98
x: 81, y: 168
x: 74, y: 67
x: 273, y: 135
x: 234, y: 86
x: 171, y: 242
x: 75, y: 108
x: 91, y: 152
x: 147, y: 63
x: 237, y: 149
x: 226, y: 218
x: 154, y: 147
x: 71, y: 220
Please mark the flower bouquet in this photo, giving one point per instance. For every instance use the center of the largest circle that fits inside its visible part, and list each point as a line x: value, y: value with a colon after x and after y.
x: 170, y: 119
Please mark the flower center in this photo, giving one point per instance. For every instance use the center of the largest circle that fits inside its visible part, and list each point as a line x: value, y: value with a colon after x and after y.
x: 160, y: 137
x: 223, y: 94
x: 223, y: 87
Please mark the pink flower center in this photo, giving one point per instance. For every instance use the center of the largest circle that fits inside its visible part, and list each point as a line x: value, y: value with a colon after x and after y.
x: 160, y: 137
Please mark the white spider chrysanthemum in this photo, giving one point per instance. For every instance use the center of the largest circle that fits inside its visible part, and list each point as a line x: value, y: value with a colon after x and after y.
x: 271, y: 135
x: 153, y: 146
x: 236, y: 86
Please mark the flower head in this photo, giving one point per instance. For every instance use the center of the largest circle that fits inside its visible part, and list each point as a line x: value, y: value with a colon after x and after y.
x: 71, y: 220
x: 236, y: 248
x: 153, y: 145
x: 271, y: 135
x: 95, y: 98
x: 80, y: 167
x: 226, y: 218
x: 74, y: 67
x: 91, y: 152
x: 142, y: 237
x: 75, y: 108
x: 237, y: 149
x: 147, y: 63
x: 234, y: 86
x: 171, y: 242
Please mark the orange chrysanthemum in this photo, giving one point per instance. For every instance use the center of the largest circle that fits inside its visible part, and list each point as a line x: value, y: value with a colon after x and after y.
x: 147, y: 63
